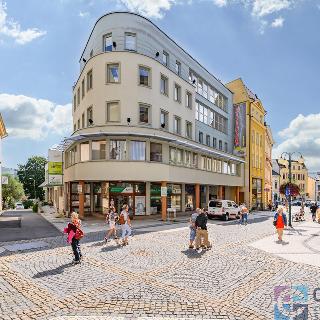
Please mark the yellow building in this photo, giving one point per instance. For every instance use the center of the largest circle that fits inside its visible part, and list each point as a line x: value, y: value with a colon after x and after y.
x: 250, y: 137
x: 311, y: 189
x: 3, y: 134
x: 299, y: 173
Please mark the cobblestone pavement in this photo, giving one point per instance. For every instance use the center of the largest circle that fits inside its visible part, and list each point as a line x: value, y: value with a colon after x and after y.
x: 156, y: 276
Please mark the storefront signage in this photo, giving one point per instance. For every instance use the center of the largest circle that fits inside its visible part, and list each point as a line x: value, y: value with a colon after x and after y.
x: 164, y: 191
x: 4, y: 180
x: 240, y: 129
x: 55, y: 168
x: 121, y: 189
x: 54, y: 180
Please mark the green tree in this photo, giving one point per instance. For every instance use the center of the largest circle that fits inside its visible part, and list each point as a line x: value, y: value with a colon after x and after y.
x: 12, y: 192
x: 32, y: 174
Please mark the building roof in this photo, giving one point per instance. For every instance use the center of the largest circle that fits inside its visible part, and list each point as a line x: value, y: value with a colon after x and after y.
x: 138, y: 15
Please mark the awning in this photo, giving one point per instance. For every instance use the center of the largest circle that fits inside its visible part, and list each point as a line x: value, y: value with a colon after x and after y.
x: 219, y: 154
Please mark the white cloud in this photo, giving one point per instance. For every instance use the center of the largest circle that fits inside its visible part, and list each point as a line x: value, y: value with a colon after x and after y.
x: 220, y: 3
x: 150, y: 8
x: 261, y: 8
x: 302, y: 135
x: 27, y: 117
x: 12, y: 29
x: 83, y: 14
x: 277, y: 23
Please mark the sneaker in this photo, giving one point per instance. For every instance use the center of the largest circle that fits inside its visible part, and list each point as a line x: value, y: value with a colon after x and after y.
x: 199, y: 250
x: 75, y: 261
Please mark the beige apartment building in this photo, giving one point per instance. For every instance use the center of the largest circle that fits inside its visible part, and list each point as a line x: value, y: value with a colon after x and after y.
x: 152, y: 127
x: 3, y: 134
x: 311, y: 189
x: 299, y: 175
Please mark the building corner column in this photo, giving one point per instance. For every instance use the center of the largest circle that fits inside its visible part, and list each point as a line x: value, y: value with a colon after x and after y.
x: 197, y: 192
x: 148, y: 198
x: 183, y: 197
x: 81, y: 199
x: 164, y: 203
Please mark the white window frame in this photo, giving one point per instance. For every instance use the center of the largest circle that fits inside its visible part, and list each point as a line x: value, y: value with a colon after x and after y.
x: 132, y: 35
x: 108, y: 114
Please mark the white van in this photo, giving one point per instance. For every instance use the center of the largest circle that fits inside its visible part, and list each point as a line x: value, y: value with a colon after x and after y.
x: 225, y: 209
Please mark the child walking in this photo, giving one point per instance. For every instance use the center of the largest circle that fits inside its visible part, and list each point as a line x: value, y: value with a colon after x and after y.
x: 74, y: 235
x: 111, y: 219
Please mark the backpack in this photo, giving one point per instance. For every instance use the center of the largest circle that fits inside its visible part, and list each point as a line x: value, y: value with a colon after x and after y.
x: 121, y: 219
x: 79, y: 234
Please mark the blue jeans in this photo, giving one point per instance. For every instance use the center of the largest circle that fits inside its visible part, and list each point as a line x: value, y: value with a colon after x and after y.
x: 244, y: 218
x: 126, y: 231
x: 192, y: 233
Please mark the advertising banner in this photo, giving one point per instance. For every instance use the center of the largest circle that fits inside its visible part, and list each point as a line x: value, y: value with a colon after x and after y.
x: 140, y: 205
x: 240, y: 129
x: 55, y: 180
x: 55, y: 168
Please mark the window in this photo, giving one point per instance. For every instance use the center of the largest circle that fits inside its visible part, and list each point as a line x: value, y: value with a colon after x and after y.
x: 138, y: 150
x: 74, y: 127
x: 82, y: 120
x: 144, y: 76
x: 203, y: 163
x: 205, y: 90
x: 177, y: 125
x: 226, y: 147
x: 188, y: 129
x: 177, y: 92
x: 78, y: 124
x: 113, y: 112
x: 155, y: 152
x: 214, y: 142
x: 78, y: 96
x: 200, y: 87
x: 117, y: 149
x: 179, y: 156
x: 74, y: 102
x: 82, y: 88
x: 89, y: 80
x: 220, y: 145
x: 164, y: 85
x: 165, y: 58
x: 209, y: 164
x: 214, y: 165
x: 178, y: 67
x: 195, y: 160
x: 200, y: 137
x: 107, y: 42
x: 208, y: 140
x: 233, y: 169
x: 219, y: 167
x: 187, y: 158
x: 89, y: 117
x: 98, y: 150
x: 164, y: 119
x: 172, y: 155
x: 91, y: 53
x: 113, y: 74
x: 130, y: 41
x: 144, y: 116
x: 189, y: 100
x: 84, y: 151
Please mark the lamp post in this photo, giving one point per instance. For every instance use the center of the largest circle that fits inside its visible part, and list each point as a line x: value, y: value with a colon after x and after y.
x: 290, y: 154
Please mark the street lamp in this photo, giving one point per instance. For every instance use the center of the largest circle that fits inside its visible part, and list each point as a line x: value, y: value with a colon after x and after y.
x: 290, y: 154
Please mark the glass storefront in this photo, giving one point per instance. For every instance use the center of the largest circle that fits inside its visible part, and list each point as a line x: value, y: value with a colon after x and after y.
x: 131, y: 193
x: 190, y: 197
x: 174, y: 196
x: 256, y: 193
x: 155, y: 198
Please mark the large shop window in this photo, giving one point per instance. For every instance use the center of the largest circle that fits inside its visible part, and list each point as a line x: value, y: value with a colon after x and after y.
x: 117, y: 149
x: 144, y: 76
x: 156, y: 152
x: 174, y: 196
x: 138, y: 150
x: 84, y: 151
x: 113, y: 74
x: 99, y: 150
x: 113, y: 112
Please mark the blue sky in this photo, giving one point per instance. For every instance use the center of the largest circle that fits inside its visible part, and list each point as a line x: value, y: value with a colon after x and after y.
x: 274, y: 45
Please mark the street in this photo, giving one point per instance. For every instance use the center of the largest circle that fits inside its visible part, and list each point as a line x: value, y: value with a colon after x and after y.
x: 155, y: 276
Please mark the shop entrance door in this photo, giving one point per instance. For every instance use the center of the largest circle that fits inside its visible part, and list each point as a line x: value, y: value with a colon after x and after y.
x: 120, y: 199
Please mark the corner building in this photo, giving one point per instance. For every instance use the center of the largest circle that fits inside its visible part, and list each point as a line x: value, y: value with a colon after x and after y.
x: 147, y: 115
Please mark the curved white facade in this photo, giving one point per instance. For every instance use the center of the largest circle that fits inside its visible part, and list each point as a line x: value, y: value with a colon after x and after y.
x: 135, y: 126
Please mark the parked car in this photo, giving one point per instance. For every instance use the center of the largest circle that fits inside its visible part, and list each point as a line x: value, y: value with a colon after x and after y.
x: 19, y: 205
x: 224, y: 209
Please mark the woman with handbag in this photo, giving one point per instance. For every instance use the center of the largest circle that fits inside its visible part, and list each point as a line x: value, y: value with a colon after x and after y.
x: 280, y: 221
x: 74, y: 235
x: 111, y: 219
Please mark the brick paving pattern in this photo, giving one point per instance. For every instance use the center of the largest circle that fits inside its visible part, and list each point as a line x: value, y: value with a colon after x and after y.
x: 156, y: 277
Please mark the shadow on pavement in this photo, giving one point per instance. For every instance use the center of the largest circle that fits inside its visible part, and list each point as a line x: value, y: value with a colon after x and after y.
x: 110, y: 248
x: 52, y: 272
x: 193, y: 254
